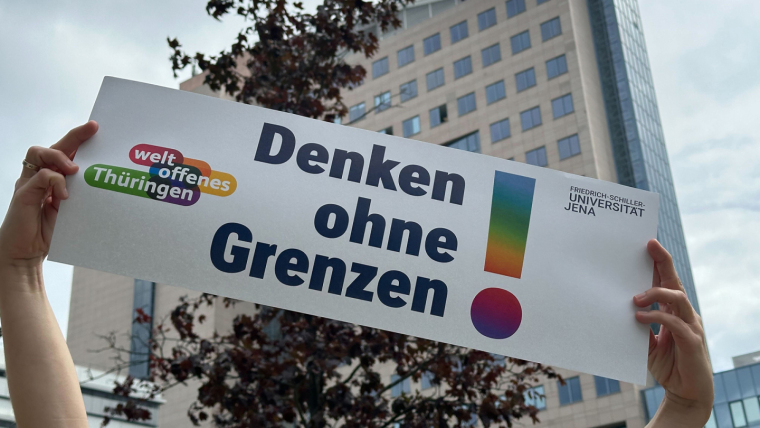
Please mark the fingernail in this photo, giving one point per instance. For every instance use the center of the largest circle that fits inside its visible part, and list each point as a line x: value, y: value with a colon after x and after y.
x: 640, y: 296
x: 65, y: 193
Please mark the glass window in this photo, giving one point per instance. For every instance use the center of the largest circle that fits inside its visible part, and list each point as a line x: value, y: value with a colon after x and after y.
x: 495, y: 92
x: 731, y: 383
x: 756, y: 376
x: 535, y: 397
x: 142, y: 332
x: 722, y: 415
x: 466, y: 104
x: 752, y: 409
x: 491, y: 55
x: 525, y: 79
x: 459, y: 32
x: 434, y: 79
x: 380, y: 67
x: 605, y: 386
x: 411, y: 126
x: 338, y: 120
x: 432, y: 44
x: 530, y: 118
x: 541, y: 1
x: 520, y: 42
x: 487, y: 19
x: 550, y: 29
x: 405, y: 56
x: 745, y: 382
x: 462, y: 67
x: 514, y: 7
x: 538, y: 157
x: 570, y: 392
x: 438, y: 115
x: 500, y: 130
x: 387, y: 131
x: 556, y: 66
x: 737, y: 414
x: 402, y: 387
x: 711, y: 422
x: 382, y: 101
x: 562, y: 106
x: 569, y: 147
x: 356, y: 112
x: 408, y: 90
x: 426, y: 381
x: 470, y: 143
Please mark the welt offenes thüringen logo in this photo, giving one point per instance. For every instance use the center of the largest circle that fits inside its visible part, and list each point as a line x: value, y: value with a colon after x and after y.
x: 171, y: 177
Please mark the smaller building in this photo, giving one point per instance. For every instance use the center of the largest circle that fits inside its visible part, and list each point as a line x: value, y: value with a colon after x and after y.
x: 97, y: 388
x: 737, y: 398
x: 746, y: 359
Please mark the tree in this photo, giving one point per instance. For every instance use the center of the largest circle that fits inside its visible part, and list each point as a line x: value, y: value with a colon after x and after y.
x: 279, y: 367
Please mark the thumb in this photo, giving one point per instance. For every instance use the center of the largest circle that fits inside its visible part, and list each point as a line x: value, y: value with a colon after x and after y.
x: 34, y: 191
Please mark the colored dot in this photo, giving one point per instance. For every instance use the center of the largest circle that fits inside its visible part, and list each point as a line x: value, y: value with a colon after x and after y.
x: 496, y: 313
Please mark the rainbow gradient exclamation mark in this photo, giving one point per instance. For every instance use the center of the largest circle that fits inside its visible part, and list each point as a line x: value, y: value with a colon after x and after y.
x: 510, y: 218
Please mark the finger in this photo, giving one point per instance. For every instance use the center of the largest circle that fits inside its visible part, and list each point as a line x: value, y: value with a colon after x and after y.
x: 48, y: 158
x: 74, y: 138
x: 675, y: 299
x: 675, y: 325
x: 35, y: 191
x: 664, y: 264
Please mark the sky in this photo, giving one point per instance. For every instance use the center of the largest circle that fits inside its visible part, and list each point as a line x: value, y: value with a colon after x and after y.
x: 705, y: 66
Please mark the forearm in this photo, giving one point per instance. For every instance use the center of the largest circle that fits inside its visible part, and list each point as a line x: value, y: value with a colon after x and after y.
x: 676, y: 413
x: 42, y: 380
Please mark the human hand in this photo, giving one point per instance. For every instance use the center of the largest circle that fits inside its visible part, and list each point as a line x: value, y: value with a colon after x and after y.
x: 678, y: 357
x: 28, y: 226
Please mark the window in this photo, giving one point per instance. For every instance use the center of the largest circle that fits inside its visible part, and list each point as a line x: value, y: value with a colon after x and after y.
x: 569, y: 147
x: 379, y: 67
x: 556, y: 66
x: 338, y: 120
x: 495, y: 92
x: 462, y: 67
x: 538, y: 157
x: 402, y: 387
x: 470, y: 143
x: 525, y: 79
x: 520, y: 42
x: 491, y: 55
x: 487, y: 19
x: 530, y: 118
x: 408, y: 90
x: 550, y: 29
x: 562, y: 106
x: 438, y: 115
x: 382, y: 101
x: 500, y: 130
x: 514, y: 7
x: 387, y: 131
x: 752, y: 410
x: 405, y: 56
x: 541, y: 1
x: 142, y: 332
x: 411, y: 126
x: 432, y: 44
x: 535, y: 397
x: 604, y: 386
x: 426, y: 380
x: 434, y: 79
x: 459, y: 32
x: 356, y: 112
x: 466, y: 104
x: 570, y: 392
x: 737, y: 414
x: 711, y: 422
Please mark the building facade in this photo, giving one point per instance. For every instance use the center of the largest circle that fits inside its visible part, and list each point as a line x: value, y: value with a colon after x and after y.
x: 563, y: 84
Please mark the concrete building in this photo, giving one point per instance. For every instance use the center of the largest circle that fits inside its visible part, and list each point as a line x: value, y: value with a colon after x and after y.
x: 563, y: 84
x: 746, y: 359
x: 97, y: 391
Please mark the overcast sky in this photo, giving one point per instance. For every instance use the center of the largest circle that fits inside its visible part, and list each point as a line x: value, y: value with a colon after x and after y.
x: 705, y: 62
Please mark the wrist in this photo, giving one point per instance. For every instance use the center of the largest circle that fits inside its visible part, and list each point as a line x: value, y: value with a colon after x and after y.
x: 679, y: 412
x: 24, y: 276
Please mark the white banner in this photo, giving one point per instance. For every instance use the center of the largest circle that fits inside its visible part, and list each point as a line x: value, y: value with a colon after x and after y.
x: 357, y: 226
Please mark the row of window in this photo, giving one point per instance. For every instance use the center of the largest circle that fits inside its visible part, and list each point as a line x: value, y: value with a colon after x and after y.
x: 520, y: 42
x: 494, y: 92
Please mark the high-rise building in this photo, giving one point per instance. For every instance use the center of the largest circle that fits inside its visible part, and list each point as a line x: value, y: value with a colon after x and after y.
x: 563, y: 84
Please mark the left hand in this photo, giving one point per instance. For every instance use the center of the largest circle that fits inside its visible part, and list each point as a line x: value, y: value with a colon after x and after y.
x: 27, y: 230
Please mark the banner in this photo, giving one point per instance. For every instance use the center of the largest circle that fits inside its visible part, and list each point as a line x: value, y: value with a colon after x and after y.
x: 339, y: 222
